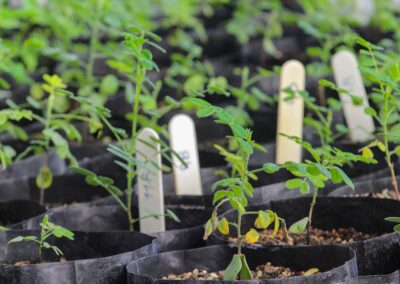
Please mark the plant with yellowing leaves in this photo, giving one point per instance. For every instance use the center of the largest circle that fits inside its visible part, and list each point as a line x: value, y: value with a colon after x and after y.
x: 236, y: 189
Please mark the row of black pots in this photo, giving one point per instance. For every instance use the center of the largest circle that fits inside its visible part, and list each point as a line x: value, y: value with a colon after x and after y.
x: 72, y: 188
x: 378, y: 255
x: 90, y: 257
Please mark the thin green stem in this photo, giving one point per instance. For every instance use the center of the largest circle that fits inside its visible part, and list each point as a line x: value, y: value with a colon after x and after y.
x: 139, y: 81
x: 310, y: 213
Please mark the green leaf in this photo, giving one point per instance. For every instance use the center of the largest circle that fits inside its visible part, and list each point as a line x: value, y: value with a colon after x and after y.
x: 238, y: 131
x: 16, y: 240
x: 61, y: 232
x: 246, y: 147
x: 232, y: 271
x: 370, y: 111
x: 293, y: 183
x: 109, y: 85
x: 345, y: 177
x: 317, y: 181
x: 270, y: 168
x: 299, y: 226
x: 304, y: 188
x: 393, y: 219
x: 245, y: 273
x: 397, y: 228
x: 205, y: 112
x: 45, y: 178
x: 170, y: 214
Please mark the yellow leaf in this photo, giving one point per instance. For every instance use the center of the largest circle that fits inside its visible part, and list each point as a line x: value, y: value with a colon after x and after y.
x: 223, y: 226
x: 208, y: 230
x: 397, y: 150
x: 276, y: 226
x: 311, y: 271
x: 367, y: 153
x: 381, y: 146
x: 252, y: 236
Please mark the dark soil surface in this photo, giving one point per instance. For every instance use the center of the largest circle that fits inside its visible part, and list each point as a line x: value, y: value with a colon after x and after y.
x: 262, y: 272
x: 317, y: 237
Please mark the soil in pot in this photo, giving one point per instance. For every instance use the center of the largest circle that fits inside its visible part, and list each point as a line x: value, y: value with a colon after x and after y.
x: 261, y: 272
x: 362, y: 217
x: 334, y: 264
x: 91, y: 257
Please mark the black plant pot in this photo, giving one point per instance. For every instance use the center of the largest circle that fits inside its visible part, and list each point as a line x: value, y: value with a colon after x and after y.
x: 12, y: 212
x: 392, y: 278
x: 335, y: 263
x: 30, y: 166
x: 369, y: 186
x: 85, y: 217
x: 91, y: 257
x: 374, y: 255
x: 66, y: 189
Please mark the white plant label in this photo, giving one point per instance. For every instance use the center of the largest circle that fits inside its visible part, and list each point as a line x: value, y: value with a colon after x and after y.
x: 290, y: 113
x: 348, y: 77
x: 184, y: 142
x: 149, y: 182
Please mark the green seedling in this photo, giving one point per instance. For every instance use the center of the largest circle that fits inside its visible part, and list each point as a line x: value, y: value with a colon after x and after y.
x: 58, y: 127
x: 382, y: 71
x: 136, y: 41
x: 235, y: 190
x: 48, y: 230
x: 327, y: 161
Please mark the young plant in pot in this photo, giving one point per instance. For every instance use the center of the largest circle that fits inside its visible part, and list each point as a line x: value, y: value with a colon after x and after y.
x: 327, y: 161
x: 235, y: 191
x: 381, y: 71
x: 57, y: 129
x: 48, y: 230
x: 125, y: 151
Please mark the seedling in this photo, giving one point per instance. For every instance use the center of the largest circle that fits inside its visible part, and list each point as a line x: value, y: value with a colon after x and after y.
x: 382, y: 71
x: 48, y: 230
x: 327, y: 161
x: 235, y: 190
x: 54, y: 123
x: 136, y: 42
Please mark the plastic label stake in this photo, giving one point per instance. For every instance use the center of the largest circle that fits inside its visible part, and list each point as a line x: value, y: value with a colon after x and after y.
x: 348, y: 77
x: 290, y: 113
x: 184, y: 142
x: 149, y: 183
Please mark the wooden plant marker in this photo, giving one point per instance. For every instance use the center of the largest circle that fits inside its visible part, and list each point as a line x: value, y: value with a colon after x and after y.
x: 348, y: 77
x: 184, y: 142
x: 149, y: 182
x: 290, y: 113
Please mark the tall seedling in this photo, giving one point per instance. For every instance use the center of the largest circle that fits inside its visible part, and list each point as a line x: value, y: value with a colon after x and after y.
x: 236, y: 189
x: 327, y: 161
x: 136, y: 42
x: 57, y: 128
x: 383, y: 72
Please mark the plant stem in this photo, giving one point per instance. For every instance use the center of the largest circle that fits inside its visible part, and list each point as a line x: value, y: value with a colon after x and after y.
x: 239, y: 233
x: 386, y: 93
x: 140, y: 77
x: 310, y: 213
